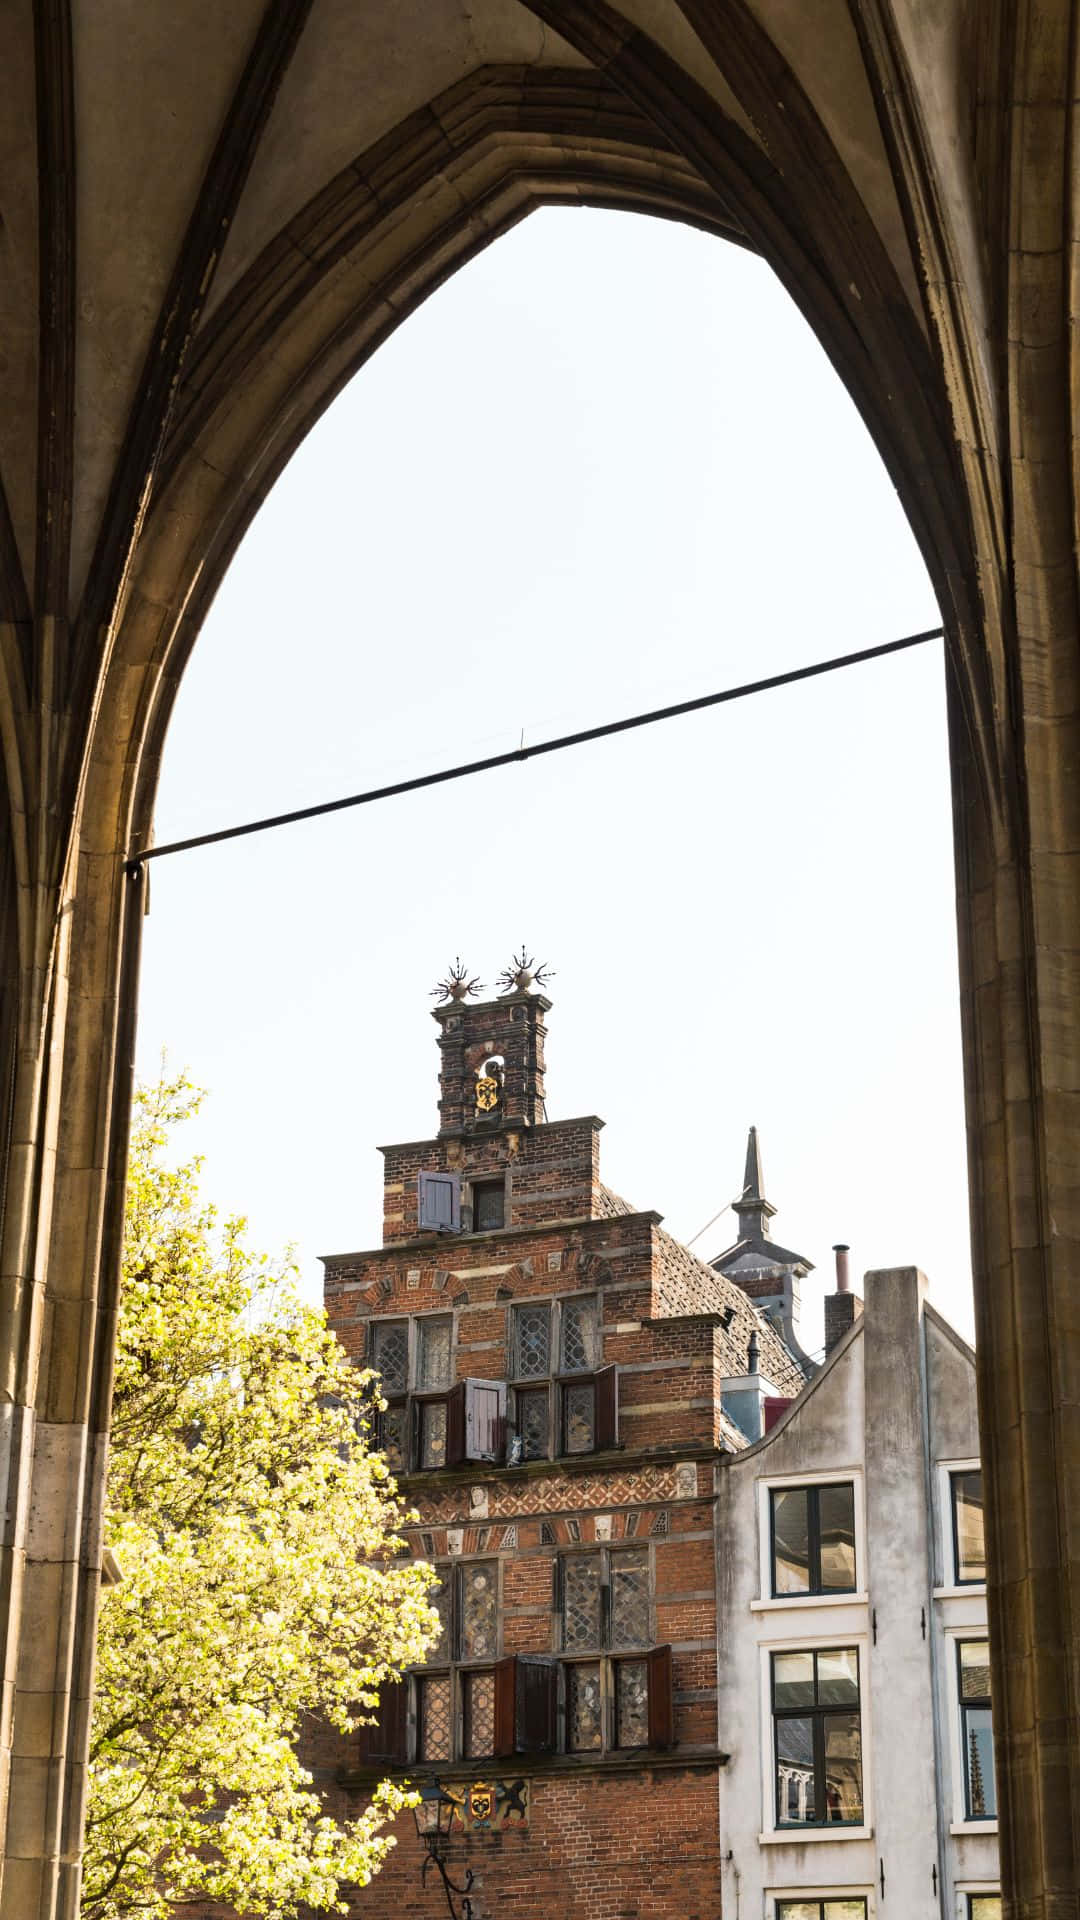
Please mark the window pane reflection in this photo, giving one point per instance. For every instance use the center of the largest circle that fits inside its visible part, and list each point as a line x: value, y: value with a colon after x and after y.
x: 843, y: 1768
x: 969, y: 1527
x: 791, y: 1541
x: 795, y: 1802
x: 836, y: 1507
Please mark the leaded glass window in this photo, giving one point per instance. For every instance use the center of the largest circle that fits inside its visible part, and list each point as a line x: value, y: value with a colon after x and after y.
x: 631, y: 1703
x: 576, y: 1340
x: 584, y: 1710
x: 479, y: 1708
x: 532, y: 1342
x: 432, y: 1419
x: 629, y: 1625
x: 978, y: 1729
x: 393, y: 1428
x: 390, y: 1355
x: 579, y: 1419
x: 434, y: 1353
x: 435, y: 1736
x: 478, y: 1590
x: 581, y: 1598
x: 818, y: 1737
x: 440, y: 1597
x: 534, y: 1424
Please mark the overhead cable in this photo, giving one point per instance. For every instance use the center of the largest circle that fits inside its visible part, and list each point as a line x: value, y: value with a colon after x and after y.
x: 582, y: 738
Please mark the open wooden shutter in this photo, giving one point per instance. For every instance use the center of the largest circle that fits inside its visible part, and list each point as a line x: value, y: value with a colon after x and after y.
x: 661, y: 1700
x: 386, y: 1742
x: 485, y: 1419
x: 526, y: 1704
x: 505, y: 1706
x: 439, y: 1208
x: 455, y: 1425
x: 537, y: 1682
x: 607, y: 1408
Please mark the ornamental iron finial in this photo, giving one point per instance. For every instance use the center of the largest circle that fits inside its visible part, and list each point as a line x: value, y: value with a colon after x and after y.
x: 523, y: 973
x: 457, y: 984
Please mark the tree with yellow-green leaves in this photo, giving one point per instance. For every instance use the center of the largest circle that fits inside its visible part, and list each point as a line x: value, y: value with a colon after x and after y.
x: 262, y: 1573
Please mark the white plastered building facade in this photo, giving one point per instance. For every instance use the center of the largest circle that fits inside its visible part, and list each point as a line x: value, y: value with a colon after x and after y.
x: 852, y: 1674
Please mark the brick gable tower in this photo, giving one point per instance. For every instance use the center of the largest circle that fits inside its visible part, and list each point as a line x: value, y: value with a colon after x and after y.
x: 558, y: 1374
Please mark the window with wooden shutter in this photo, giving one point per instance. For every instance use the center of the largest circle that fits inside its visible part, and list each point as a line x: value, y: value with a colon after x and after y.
x: 454, y: 1413
x: 386, y: 1742
x: 485, y: 1419
x: 526, y: 1704
x: 661, y: 1698
x: 607, y: 1408
x: 537, y: 1679
x: 439, y: 1196
x: 505, y: 1706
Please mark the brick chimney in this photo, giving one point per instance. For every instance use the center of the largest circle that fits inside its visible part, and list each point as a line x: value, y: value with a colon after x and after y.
x: 499, y: 1043
x: 843, y: 1307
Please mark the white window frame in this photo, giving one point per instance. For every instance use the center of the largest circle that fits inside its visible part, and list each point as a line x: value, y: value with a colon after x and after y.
x: 766, y: 1602
x: 952, y: 1589
x: 771, y: 1835
x: 960, y: 1824
x: 864, y: 1891
x: 964, y: 1887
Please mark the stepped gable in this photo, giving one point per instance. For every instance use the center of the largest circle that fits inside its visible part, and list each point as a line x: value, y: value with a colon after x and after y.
x: 684, y: 1285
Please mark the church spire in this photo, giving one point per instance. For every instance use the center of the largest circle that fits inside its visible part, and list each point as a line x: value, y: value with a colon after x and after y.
x: 752, y: 1207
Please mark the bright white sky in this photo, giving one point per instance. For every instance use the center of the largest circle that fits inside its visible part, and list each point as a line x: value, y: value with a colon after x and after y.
x: 606, y: 467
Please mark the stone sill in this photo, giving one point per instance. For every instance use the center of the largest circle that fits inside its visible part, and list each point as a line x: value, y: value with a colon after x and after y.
x: 799, y: 1602
x: 972, y: 1590
x: 798, y: 1836
x: 537, y: 1766
x: 988, y: 1828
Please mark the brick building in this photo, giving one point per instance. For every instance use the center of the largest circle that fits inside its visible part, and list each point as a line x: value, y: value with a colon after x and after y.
x: 561, y: 1377
x: 714, y: 1617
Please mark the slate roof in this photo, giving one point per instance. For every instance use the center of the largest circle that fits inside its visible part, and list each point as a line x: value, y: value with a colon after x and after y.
x: 686, y: 1285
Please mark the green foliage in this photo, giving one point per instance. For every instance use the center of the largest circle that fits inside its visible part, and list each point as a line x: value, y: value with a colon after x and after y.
x: 262, y: 1574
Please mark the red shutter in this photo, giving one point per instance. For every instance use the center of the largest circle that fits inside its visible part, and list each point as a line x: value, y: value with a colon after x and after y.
x: 607, y: 1408
x: 505, y: 1706
x: 386, y: 1743
x: 775, y: 1408
x: 537, y: 1680
x: 455, y: 1425
x: 661, y: 1702
x: 485, y: 1419
x: 439, y: 1196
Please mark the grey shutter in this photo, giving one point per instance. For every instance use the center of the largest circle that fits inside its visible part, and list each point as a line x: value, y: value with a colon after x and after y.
x: 439, y: 1203
x: 485, y: 1419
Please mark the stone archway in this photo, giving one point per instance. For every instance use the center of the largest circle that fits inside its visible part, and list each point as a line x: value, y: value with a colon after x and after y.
x: 935, y: 279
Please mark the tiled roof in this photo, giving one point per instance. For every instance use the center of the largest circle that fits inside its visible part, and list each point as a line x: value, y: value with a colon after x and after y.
x: 609, y: 1205
x: 685, y: 1285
